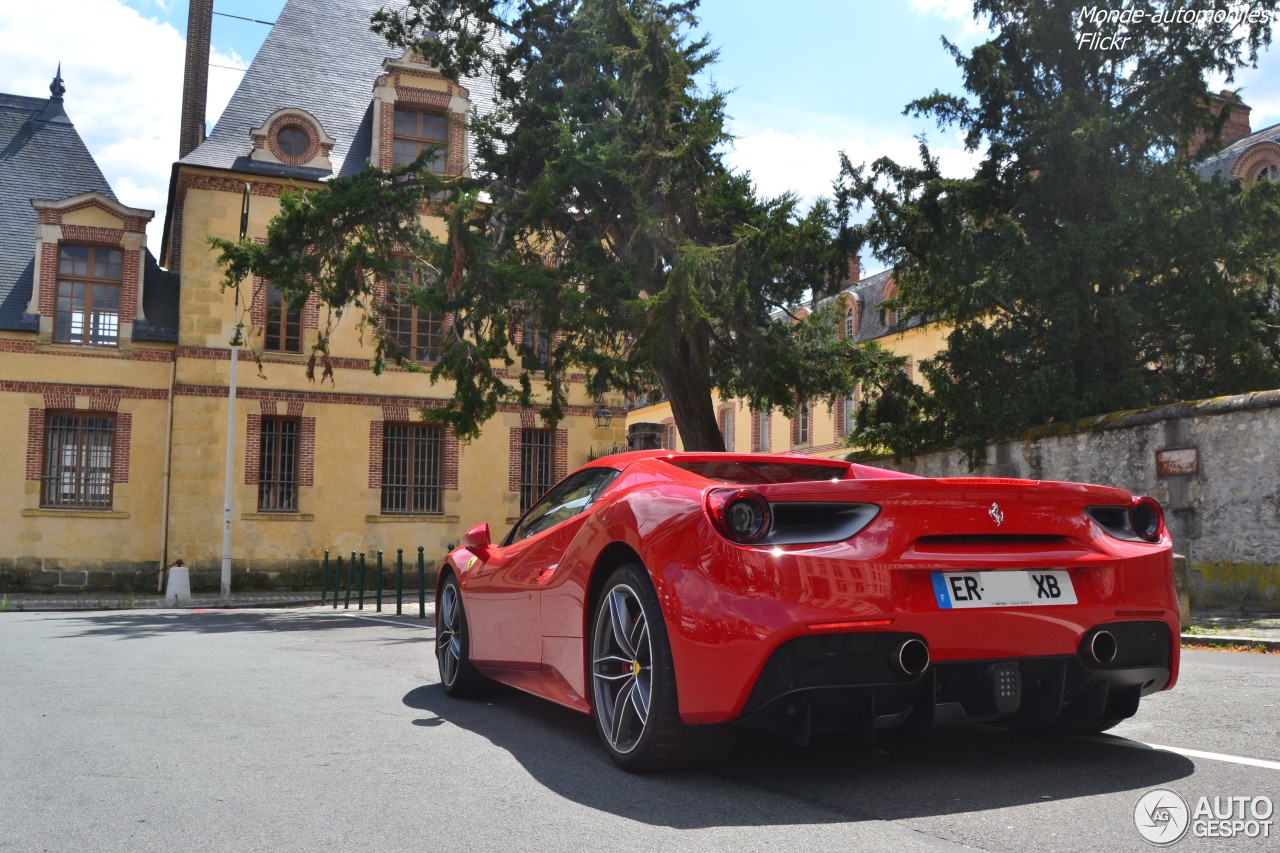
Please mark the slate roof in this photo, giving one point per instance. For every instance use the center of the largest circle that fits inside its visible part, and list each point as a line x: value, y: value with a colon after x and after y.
x: 320, y: 57
x: 870, y: 291
x: 1219, y: 165
x: 43, y: 157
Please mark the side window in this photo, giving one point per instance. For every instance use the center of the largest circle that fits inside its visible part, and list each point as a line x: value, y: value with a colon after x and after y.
x: 562, y: 503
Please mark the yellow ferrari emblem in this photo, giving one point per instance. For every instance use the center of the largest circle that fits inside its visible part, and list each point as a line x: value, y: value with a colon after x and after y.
x: 471, y: 563
x: 635, y: 667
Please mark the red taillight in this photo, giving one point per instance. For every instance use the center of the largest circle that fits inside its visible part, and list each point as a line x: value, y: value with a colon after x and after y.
x: 1147, y: 519
x: 741, y: 515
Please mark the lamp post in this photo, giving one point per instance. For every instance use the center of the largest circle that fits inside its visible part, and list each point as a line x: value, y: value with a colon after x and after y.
x: 224, y: 596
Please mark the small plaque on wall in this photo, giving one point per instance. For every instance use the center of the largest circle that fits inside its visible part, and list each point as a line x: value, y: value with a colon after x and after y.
x: 1182, y: 462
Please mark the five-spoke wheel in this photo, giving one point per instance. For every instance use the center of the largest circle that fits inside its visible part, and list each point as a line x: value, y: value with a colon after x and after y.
x: 633, y: 685
x: 622, y: 668
x: 457, y: 674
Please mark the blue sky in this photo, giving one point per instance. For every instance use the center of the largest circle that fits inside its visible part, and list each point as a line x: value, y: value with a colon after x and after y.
x: 808, y: 78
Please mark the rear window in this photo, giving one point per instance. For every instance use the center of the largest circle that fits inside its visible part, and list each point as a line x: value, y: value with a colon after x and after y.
x: 745, y: 473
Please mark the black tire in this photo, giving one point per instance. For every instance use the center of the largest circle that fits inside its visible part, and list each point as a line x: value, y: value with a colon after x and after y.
x: 633, y: 684
x: 457, y: 674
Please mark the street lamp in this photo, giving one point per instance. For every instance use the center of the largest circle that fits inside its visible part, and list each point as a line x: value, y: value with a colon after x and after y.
x: 603, y: 413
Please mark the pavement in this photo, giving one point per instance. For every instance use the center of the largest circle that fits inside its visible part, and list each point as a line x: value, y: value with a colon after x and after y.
x: 1209, y: 628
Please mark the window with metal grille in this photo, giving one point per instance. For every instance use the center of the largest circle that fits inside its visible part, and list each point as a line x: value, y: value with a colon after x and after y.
x: 88, y: 307
x: 416, y: 130
x: 284, y: 327
x: 669, y: 437
x: 278, y: 475
x: 414, y: 334
x: 411, y: 468
x: 536, y: 469
x: 77, y: 460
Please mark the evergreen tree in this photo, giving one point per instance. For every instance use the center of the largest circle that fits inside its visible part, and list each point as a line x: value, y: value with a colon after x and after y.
x: 1085, y: 267
x: 600, y: 219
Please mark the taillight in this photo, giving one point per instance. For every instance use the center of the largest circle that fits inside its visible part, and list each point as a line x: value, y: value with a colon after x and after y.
x: 741, y: 515
x: 1146, y: 518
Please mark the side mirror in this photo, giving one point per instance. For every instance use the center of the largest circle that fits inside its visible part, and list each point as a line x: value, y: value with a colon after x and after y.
x: 477, y: 538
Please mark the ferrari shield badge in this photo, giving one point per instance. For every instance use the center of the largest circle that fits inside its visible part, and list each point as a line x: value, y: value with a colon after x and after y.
x: 471, y: 562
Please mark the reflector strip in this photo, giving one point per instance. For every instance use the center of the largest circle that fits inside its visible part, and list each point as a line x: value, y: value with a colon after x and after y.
x: 838, y: 626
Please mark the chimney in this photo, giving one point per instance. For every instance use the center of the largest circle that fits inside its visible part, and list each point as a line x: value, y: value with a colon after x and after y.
x: 1237, y: 125
x: 1235, y: 128
x: 855, y: 270
x: 195, y: 80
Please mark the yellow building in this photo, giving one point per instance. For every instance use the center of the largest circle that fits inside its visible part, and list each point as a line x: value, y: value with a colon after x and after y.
x: 125, y: 394
x: 818, y: 429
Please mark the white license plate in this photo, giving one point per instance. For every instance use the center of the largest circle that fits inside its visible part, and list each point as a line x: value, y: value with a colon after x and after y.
x: 1029, y: 588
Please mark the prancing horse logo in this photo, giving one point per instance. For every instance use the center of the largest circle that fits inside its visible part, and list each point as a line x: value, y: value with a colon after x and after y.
x: 996, y: 515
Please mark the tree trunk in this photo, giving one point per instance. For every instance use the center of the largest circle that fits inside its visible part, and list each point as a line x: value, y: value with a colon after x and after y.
x: 685, y: 374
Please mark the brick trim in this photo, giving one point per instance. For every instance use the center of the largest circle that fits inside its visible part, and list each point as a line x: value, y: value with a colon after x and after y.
x: 35, y: 444
x: 253, y: 449
x: 60, y: 390
x: 1253, y: 158
x: 120, y: 445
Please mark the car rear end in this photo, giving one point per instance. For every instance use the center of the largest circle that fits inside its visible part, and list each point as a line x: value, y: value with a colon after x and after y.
x: 876, y: 602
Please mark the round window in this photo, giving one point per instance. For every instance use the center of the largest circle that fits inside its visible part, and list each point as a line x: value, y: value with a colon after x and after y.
x: 293, y: 142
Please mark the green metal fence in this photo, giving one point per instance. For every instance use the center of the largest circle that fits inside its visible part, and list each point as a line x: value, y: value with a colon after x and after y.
x: 354, y: 572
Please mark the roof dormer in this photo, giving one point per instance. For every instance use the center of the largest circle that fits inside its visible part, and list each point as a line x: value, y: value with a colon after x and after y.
x: 293, y: 137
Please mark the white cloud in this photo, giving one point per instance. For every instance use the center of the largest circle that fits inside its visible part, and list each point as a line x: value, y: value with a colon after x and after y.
x: 970, y: 30
x: 806, y: 162
x: 123, y: 74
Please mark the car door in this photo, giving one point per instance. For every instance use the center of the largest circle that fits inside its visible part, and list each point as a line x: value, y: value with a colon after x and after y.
x: 503, y: 589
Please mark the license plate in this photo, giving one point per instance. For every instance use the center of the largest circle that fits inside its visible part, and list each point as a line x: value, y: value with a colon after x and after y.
x: 1003, y: 589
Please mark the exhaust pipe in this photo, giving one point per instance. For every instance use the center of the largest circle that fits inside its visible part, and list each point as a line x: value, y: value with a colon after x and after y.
x: 910, y: 657
x: 1102, y: 647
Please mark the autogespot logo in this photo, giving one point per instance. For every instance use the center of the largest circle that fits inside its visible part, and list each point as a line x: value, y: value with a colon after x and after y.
x: 1161, y: 816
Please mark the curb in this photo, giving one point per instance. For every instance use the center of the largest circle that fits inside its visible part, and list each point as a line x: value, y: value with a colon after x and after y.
x: 1229, y: 639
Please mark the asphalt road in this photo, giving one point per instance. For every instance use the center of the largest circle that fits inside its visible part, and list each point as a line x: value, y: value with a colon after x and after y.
x: 314, y: 730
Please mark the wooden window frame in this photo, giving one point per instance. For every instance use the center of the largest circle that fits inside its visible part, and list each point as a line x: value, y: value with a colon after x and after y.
x: 281, y: 322
x: 438, y: 164
x: 92, y: 284
x: 418, y: 336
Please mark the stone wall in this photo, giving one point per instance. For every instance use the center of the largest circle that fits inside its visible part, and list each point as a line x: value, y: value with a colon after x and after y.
x: 1213, y: 464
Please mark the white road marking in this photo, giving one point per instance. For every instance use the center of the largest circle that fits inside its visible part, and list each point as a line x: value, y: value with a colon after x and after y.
x: 1189, y: 753
x: 421, y: 624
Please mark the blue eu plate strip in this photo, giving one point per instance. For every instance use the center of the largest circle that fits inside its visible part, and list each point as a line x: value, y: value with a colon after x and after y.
x: 940, y: 591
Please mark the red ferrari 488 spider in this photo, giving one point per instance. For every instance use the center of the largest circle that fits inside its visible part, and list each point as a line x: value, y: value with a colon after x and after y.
x: 675, y: 596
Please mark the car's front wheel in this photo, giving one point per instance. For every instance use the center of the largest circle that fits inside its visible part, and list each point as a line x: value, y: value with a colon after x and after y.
x: 633, y: 684
x: 457, y: 674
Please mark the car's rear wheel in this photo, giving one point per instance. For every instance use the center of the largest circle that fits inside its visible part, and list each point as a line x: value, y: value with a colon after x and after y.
x: 633, y: 684
x: 457, y: 674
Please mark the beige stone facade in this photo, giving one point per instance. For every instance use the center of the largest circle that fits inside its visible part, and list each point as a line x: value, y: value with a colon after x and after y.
x: 117, y: 448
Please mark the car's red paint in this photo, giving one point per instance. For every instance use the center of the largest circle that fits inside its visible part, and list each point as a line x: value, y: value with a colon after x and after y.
x: 729, y: 607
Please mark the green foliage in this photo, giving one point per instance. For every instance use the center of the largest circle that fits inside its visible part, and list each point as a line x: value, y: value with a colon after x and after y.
x: 1085, y: 267
x: 599, y: 213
